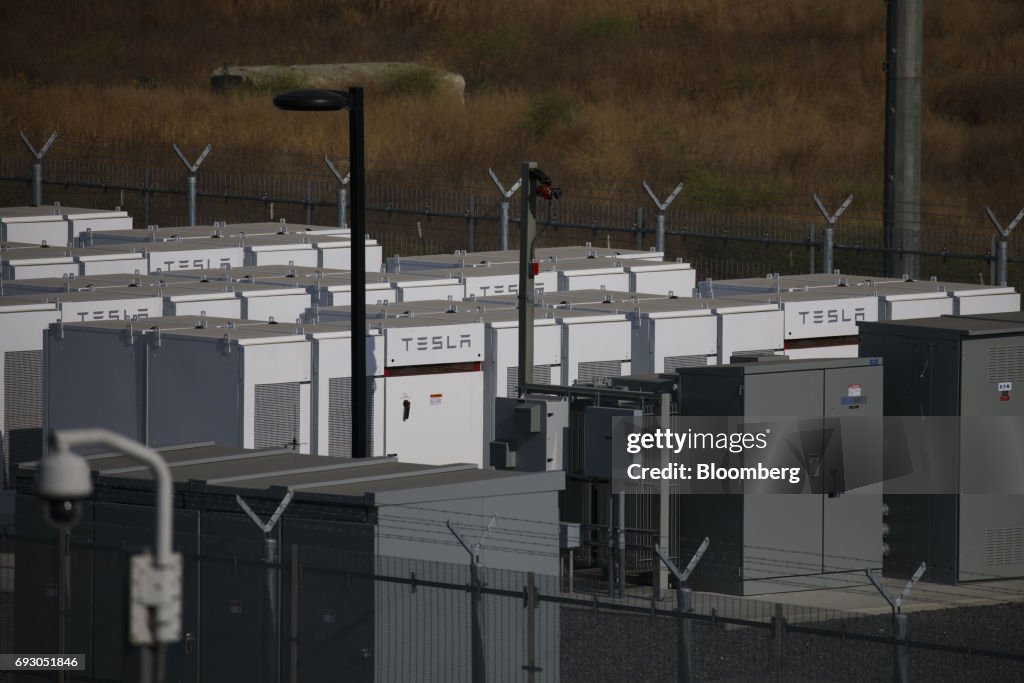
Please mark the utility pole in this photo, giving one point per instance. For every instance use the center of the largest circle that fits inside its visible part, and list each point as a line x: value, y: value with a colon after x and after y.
x: 901, y: 220
x: 527, y: 271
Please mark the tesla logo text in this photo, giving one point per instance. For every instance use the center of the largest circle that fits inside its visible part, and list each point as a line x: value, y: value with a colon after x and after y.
x: 194, y: 264
x: 831, y: 315
x: 113, y: 315
x: 438, y: 342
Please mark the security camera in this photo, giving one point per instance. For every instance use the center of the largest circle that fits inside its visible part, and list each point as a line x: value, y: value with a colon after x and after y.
x: 63, y: 481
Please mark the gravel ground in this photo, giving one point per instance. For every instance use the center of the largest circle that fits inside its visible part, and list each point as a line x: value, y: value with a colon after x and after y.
x: 607, y: 646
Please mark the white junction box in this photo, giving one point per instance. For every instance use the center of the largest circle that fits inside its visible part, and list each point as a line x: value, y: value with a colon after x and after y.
x: 280, y: 250
x: 96, y: 261
x: 93, y: 220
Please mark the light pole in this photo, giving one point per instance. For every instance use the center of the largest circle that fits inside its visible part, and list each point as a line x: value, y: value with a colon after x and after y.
x: 155, y: 578
x: 336, y: 100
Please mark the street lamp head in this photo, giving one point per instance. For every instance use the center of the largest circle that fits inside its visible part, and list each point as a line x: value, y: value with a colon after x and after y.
x: 313, y: 100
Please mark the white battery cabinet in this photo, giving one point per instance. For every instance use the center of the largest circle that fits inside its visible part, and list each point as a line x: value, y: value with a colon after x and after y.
x: 188, y: 255
x: 33, y: 225
x: 278, y: 303
x: 247, y: 387
x: 971, y: 299
x: 785, y: 283
x: 895, y: 302
x: 591, y: 274
x: 332, y: 390
x: 215, y: 299
x: 671, y: 333
x: 412, y: 287
x: 97, y: 261
x: 595, y: 346
x: 821, y: 322
x: 110, y: 303
x: 335, y: 289
x: 501, y: 353
x: 280, y: 250
x: 746, y: 326
x: 433, y: 388
x: 496, y: 280
x: 37, y: 262
x: 668, y: 279
x: 22, y: 323
x: 93, y: 220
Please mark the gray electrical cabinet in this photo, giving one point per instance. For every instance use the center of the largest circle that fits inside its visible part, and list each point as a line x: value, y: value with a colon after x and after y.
x: 967, y: 522
x: 531, y: 433
x: 820, y: 533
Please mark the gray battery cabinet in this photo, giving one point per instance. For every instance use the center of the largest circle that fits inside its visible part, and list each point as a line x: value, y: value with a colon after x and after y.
x: 821, y: 534
x: 967, y: 370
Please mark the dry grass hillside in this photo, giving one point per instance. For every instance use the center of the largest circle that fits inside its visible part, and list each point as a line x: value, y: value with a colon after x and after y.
x: 742, y: 100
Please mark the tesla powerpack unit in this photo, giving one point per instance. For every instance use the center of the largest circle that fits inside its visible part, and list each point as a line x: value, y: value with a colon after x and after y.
x: 785, y: 283
x: 22, y: 322
x: 496, y: 280
x: 595, y: 345
x: 433, y: 386
x: 188, y: 254
x: 37, y: 262
x: 591, y: 274
x: 331, y: 408
x: 667, y: 278
x: 34, y: 225
x: 747, y: 326
x: 414, y: 287
x: 670, y: 333
x: 285, y: 250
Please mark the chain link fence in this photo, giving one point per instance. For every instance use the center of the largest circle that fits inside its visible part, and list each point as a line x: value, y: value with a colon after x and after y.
x: 317, y: 613
x: 415, y: 211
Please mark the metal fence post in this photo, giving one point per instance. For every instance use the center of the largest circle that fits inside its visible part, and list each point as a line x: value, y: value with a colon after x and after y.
x: 992, y: 262
x: 684, y: 606
x: 812, y: 255
x: 531, y: 628
x: 659, y: 234
x: 37, y: 165
x: 471, y: 221
x: 1002, y: 250
x: 271, y: 559
x: 191, y: 184
x: 900, y: 646
x: 639, y: 227
x: 779, y: 627
x: 147, y: 194
x: 479, y: 667
x: 342, y: 190
x: 830, y: 221
x: 309, y: 201
x: 503, y: 208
